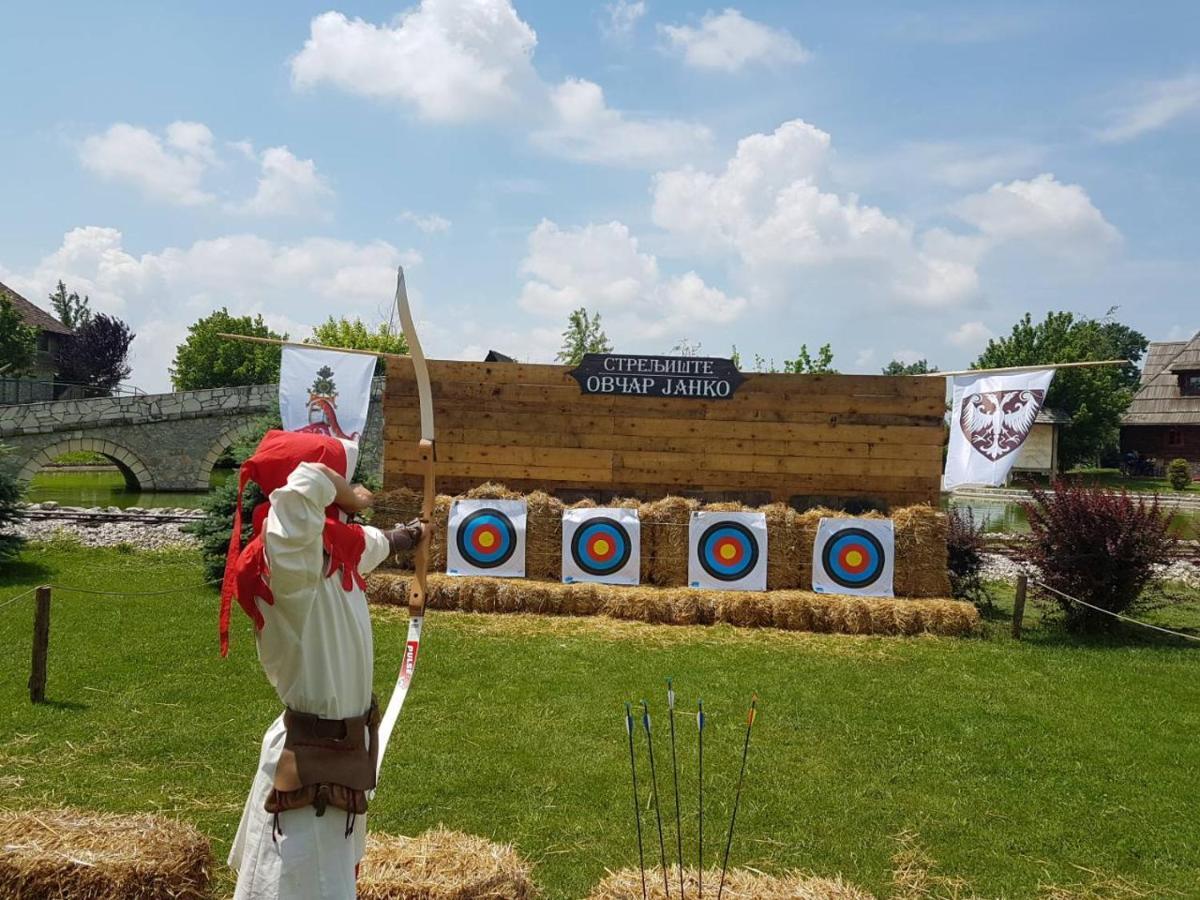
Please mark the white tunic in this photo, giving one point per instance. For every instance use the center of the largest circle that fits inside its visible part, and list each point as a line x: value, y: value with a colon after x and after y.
x: 317, y: 652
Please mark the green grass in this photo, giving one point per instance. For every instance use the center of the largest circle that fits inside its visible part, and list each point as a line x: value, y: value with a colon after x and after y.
x: 1112, y: 478
x: 1017, y: 764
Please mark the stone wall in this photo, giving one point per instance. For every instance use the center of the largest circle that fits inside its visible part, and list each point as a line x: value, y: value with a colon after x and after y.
x: 163, y: 442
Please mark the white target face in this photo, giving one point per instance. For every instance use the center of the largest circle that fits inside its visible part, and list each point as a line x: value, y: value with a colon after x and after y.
x: 601, y: 545
x: 854, y: 556
x: 728, y: 551
x: 487, y: 537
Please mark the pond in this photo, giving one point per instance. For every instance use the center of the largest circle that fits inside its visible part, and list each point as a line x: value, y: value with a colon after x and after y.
x: 103, y: 486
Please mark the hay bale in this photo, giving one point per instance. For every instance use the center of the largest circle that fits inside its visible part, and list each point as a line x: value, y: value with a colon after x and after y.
x: 740, y: 884
x: 792, y: 610
x: 442, y: 865
x: 806, y: 537
x: 665, y: 526
x: 543, y: 536
x: 784, y: 559
x: 921, y: 556
x: 101, y: 856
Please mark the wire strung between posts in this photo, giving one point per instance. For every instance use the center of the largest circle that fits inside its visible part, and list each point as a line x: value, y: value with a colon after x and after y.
x: 637, y: 807
x: 173, y: 590
x: 21, y: 596
x: 1108, y: 612
x: 662, y: 847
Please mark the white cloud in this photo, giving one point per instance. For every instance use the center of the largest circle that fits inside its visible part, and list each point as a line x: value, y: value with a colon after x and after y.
x: 951, y: 164
x: 472, y: 60
x: 287, y: 185
x: 601, y: 267
x: 583, y: 127
x: 908, y: 357
x: 1154, y: 105
x: 729, y: 41
x: 1042, y: 209
x: 970, y: 335
x: 172, y: 170
x: 767, y: 208
x: 158, y: 293
x: 454, y: 60
x: 430, y: 223
x: 621, y: 19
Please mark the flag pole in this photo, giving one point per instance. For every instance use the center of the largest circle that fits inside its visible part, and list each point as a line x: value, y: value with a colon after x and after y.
x: 252, y: 339
x: 1069, y: 365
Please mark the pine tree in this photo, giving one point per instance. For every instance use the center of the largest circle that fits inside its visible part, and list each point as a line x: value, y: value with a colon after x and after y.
x: 583, y: 335
x: 71, y: 311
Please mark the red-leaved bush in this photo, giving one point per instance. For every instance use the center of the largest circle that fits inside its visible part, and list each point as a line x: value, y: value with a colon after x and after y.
x: 965, y: 557
x: 1097, y: 545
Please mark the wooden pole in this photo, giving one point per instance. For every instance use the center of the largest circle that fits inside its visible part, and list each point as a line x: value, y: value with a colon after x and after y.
x: 1019, y: 605
x: 251, y: 339
x: 1070, y: 365
x: 41, y: 646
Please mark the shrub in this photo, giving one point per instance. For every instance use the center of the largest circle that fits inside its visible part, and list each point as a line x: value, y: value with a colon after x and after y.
x: 1098, y: 546
x: 10, y: 510
x: 1179, y: 473
x: 966, y: 548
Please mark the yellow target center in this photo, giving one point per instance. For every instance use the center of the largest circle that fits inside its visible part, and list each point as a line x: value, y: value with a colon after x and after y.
x: 727, y: 552
x: 486, y: 539
x: 601, y: 547
x: 854, y: 558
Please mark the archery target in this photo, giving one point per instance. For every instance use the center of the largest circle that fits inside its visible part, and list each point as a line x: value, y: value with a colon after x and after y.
x: 487, y: 537
x: 728, y: 551
x: 601, y: 545
x: 854, y: 556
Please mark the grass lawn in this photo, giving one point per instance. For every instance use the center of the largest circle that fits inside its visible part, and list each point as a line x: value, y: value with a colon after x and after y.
x: 1113, y: 479
x: 1052, y: 761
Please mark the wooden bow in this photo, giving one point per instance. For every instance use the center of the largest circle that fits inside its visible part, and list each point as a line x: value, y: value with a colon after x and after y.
x: 416, y: 594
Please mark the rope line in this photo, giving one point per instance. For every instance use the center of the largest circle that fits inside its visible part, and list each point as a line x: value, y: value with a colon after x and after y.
x: 1108, y: 612
x: 173, y: 590
x: 12, y: 600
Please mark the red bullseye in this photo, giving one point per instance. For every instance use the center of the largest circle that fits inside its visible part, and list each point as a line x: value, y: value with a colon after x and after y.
x: 729, y: 552
x: 485, y: 539
x: 601, y: 547
x: 854, y: 559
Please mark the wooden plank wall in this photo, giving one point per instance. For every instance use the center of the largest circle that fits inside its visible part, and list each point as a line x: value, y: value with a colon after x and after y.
x: 804, y: 439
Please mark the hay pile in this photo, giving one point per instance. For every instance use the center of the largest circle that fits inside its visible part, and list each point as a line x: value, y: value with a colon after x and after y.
x: 442, y: 865
x: 740, y: 884
x: 790, y: 610
x: 665, y: 525
x: 97, y: 856
x: 922, y: 564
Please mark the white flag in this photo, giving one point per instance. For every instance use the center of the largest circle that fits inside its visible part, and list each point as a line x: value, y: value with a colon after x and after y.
x: 325, y: 392
x: 990, y: 417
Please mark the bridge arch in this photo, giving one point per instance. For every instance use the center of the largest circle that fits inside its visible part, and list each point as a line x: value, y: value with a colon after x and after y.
x: 137, y: 475
x: 228, y: 438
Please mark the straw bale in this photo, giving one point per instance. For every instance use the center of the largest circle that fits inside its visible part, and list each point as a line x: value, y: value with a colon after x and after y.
x: 740, y: 884
x: 921, y: 555
x: 543, y: 536
x: 442, y: 865
x: 101, y: 856
x: 790, y: 610
x: 784, y: 559
x: 665, y: 525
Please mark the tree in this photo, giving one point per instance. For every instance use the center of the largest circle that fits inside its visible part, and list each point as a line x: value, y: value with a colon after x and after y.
x: 97, y: 354
x: 920, y: 367
x: 583, y: 335
x: 205, y: 360
x: 10, y: 510
x: 355, y: 335
x: 1094, y: 398
x: 69, y: 309
x: 18, y: 341
x: 804, y: 364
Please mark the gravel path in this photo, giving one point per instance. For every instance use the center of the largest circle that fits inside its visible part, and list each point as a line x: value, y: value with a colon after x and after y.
x: 142, y: 535
x: 1001, y: 568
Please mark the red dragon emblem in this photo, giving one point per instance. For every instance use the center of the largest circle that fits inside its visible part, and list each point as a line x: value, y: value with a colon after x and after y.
x: 322, y: 408
x: 997, y: 422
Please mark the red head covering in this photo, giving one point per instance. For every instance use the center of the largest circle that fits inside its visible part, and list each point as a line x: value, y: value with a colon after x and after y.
x: 246, y: 571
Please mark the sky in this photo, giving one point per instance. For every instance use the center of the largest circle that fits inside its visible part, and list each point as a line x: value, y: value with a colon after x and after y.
x: 899, y: 180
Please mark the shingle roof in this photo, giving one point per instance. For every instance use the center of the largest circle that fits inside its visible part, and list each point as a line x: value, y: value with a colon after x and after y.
x: 33, y: 315
x: 1158, y: 401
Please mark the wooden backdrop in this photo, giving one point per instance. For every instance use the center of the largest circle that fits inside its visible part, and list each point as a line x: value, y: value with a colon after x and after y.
x: 804, y: 439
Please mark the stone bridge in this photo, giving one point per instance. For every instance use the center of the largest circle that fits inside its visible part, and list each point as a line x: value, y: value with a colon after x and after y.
x: 160, y: 442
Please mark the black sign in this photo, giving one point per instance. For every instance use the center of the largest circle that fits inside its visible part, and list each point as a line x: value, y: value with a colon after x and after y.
x: 697, y: 377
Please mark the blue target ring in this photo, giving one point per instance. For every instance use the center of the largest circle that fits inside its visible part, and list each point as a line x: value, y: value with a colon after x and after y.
x: 728, y: 551
x: 486, y: 538
x: 601, y: 546
x: 853, y: 558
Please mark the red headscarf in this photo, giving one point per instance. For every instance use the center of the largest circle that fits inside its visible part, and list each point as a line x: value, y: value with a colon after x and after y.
x: 246, y: 570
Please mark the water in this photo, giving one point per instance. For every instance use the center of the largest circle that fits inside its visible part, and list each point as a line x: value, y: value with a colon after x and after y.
x: 106, y: 487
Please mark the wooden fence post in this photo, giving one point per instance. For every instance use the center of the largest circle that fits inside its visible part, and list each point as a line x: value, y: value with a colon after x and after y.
x: 41, y: 645
x: 1019, y: 605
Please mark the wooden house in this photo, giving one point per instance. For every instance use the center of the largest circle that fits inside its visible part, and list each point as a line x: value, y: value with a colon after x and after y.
x: 1163, y: 422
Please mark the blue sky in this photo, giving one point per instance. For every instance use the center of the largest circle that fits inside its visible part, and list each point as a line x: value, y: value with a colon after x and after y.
x: 899, y: 180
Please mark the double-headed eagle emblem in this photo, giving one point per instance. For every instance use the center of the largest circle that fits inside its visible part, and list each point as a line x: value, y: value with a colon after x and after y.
x: 997, y: 422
